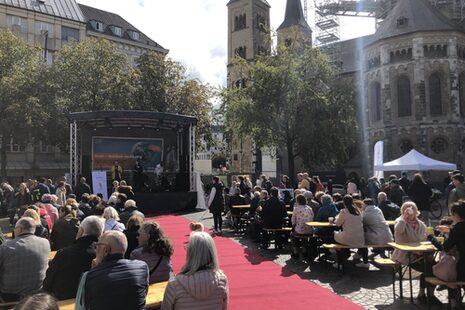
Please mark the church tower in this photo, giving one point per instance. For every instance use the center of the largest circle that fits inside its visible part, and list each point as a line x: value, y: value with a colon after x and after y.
x: 294, y: 29
x: 248, y: 36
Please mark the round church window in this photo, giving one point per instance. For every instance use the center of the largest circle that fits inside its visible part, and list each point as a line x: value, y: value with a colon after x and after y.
x: 405, y: 146
x: 439, y: 145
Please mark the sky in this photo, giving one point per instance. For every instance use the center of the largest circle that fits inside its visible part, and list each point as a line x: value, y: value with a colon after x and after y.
x: 195, y: 31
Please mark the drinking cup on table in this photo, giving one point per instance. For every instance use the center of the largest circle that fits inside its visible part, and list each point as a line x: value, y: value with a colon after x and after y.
x: 429, y: 231
x: 331, y: 220
x: 440, y: 239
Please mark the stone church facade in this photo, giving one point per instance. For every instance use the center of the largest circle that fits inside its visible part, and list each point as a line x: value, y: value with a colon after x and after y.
x: 414, y: 84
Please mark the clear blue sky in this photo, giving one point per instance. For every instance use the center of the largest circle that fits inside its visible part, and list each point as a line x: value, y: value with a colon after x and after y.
x: 195, y: 31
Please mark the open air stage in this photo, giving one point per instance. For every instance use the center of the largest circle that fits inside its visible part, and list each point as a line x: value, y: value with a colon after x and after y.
x: 137, y: 138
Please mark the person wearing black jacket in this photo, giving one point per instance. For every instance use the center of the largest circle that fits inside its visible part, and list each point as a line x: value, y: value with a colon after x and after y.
x: 420, y: 193
x: 114, y: 282
x: 273, y: 215
x: 64, y: 272
x: 82, y: 188
x: 216, y: 204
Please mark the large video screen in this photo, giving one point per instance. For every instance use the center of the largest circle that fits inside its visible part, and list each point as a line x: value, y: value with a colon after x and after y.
x: 107, y: 150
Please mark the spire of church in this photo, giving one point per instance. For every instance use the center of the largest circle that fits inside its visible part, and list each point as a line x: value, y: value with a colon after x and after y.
x: 294, y: 15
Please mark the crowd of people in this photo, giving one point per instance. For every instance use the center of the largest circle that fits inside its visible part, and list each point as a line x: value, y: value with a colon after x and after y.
x: 359, y: 217
x: 107, y: 252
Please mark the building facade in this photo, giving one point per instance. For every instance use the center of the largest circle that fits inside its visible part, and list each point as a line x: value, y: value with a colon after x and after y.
x: 50, y: 24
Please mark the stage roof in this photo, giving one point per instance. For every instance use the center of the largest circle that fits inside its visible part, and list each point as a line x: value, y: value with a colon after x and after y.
x: 140, y: 119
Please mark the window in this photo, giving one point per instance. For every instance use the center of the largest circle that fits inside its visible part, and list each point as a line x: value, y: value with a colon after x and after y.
x: 69, y: 34
x: 16, y: 22
x: 240, y: 22
x: 402, y: 22
x: 376, y: 101
x: 435, y: 102
x: 241, y: 52
x: 42, y: 27
x: 99, y: 26
x: 134, y: 35
x: 406, y: 146
x: 117, y: 31
x: 261, y: 23
x: 404, y: 98
x: 439, y: 145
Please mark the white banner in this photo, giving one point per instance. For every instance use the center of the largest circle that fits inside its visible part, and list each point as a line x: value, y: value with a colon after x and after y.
x: 378, y: 158
x: 99, y: 183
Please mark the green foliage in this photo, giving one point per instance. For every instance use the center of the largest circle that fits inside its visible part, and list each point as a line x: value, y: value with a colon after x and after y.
x: 295, y: 102
x: 21, y: 112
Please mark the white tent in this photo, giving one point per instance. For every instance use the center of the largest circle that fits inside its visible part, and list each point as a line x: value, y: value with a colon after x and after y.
x: 416, y: 161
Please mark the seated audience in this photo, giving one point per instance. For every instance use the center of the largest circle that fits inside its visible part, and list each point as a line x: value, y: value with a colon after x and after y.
x: 112, y: 220
x: 302, y: 214
x: 236, y: 200
x: 130, y: 209
x: 200, y: 284
x: 65, y: 229
x: 84, y: 205
x: 51, y: 210
x: 274, y: 215
x: 350, y: 220
x: 123, y: 188
x: 156, y: 250
x: 390, y: 210
x: 114, y: 282
x: 39, y: 301
x: 40, y: 231
x: 455, y: 241
x: 64, y: 272
x: 23, y: 262
x: 327, y: 209
x: 410, y: 229
x: 82, y: 188
x: 131, y: 232
x: 311, y: 202
x: 61, y: 193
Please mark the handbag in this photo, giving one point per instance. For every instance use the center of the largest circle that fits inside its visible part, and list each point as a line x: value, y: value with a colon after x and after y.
x: 446, y: 268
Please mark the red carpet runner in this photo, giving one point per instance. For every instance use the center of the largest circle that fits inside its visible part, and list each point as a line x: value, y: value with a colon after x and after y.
x: 255, y: 282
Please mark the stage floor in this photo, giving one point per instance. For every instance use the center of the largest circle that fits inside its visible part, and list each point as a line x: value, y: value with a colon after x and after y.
x: 166, y: 202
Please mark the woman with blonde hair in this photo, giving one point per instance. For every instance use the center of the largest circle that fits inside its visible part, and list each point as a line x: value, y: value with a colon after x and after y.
x: 40, y: 231
x: 112, y: 220
x: 156, y: 250
x: 200, y: 284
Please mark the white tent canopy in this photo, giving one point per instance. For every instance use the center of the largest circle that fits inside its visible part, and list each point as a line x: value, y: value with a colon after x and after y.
x: 416, y: 161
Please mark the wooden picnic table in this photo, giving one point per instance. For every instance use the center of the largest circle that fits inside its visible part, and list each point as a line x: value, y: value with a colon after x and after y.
x: 52, y: 255
x: 241, y: 207
x: 320, y: 224
x: 154, y: 298
x: 423, y: 248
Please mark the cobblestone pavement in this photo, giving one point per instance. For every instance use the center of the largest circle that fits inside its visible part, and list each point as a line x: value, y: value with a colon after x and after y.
x: 372, y: 289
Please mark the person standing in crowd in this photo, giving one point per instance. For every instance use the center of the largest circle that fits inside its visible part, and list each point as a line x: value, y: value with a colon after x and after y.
x: 51, y: 210
x: 200, y: 284
x: 352, y: 187
x: 23, y: 262
x: 112, y: 220
x: 421, y: 193
x: 51, y: 186
x: 396, y: 192
x: 373, y: 188
x: 458, y: 192
x: 116, y: 172
x: 156, y: 250
x: 82, y: 188
x: 60, y: 192
x: 41, y: 189
x: 8, y: 201
x: 216, y: 204
x: 404, y: 182
x: 285, y: 182
x: 64, y: 272
x: 84, y: 205
x: 124, y: 188
x: 65, y: 229
x: 303, y: 182
x: 236, y: 200
x: 23, y: 196
x: 115, y: 282
x: 130, y: 209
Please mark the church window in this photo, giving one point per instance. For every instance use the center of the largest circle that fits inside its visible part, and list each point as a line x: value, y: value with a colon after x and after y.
x: 439, y: 145
x: 261, y: 23
x: 406, y: 146
x: 288, y: 42
x: 376, y: 101
x: 402, y: 22
x: 240, y: 22
x: 241, y: 52
x: 435, y: 101
x: 404, y: 98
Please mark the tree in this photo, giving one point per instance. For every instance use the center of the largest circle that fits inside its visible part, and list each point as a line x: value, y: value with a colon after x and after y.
x: 162, y: 85
x: 21, y: 110
x: 293, y: 102
x: 92, y: 75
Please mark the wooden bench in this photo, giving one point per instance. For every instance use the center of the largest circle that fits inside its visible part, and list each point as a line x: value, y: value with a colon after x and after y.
x: 273, y: 231
x: 153, y: 300
x: 338, y: 247
x: 452, y: 285
x: 396, y: 267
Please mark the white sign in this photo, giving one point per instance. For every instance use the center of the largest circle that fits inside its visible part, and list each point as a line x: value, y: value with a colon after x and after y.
x: 99, y: 183
x: 378, y: 158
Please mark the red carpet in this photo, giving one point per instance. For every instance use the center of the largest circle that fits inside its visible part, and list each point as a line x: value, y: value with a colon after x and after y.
x: 255, y: 282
